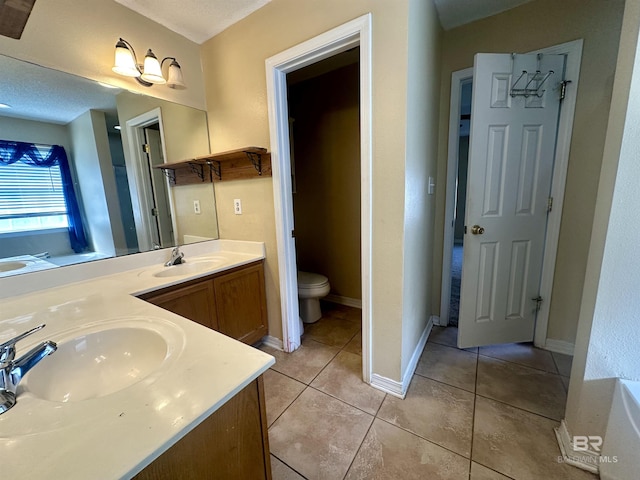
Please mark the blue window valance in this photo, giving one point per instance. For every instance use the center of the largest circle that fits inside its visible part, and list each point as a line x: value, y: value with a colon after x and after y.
x: 39, y: 156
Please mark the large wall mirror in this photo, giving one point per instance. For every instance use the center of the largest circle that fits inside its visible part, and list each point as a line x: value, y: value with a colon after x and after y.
x: 112, y: 139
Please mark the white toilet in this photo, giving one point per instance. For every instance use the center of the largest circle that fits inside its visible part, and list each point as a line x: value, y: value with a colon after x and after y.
x: 311, y: 288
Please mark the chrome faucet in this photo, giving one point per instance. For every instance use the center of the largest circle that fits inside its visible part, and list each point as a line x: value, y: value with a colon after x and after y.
x: 11, y: 372
x: 176, y: 257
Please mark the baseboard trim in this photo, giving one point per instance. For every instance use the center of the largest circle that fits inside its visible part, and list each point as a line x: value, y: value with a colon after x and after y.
x: 559, y: 346
x: 387, y: 385
x: 349, y: 302
x: 273, y: 342
x: 415, y: 358
x: 399, y: 389
x: 435, y: 320
x: 583, y: 459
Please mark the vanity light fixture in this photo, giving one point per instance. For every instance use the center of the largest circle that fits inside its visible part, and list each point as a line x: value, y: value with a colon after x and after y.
x: 150, y: 72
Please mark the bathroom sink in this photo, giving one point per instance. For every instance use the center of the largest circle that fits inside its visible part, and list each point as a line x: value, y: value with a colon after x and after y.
x: 97, y: 364
x: 10, y: 266
x: 190, y: 267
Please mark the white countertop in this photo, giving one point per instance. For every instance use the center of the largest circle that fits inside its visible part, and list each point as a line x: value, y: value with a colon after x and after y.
x: 117, y: 435
x: 23, y: 264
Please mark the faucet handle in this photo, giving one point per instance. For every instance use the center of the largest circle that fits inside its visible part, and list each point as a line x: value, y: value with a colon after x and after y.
x: 8, y: 348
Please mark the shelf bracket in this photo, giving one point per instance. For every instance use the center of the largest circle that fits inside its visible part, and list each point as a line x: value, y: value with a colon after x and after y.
x: 198, y: 169
x: 214, y: 166
x: 170, y: 174
x: 256, y: 161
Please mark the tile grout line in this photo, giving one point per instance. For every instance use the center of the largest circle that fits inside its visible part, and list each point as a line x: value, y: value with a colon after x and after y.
x: 359, y: 448
x: 423, y: 438
x: 517, y: 408
x: 445, y: 383
x: 287, y: 408
x: 473, y: 417
x: 288, y: 466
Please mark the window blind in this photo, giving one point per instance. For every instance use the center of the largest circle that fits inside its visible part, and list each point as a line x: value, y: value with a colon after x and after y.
x: 31, y: 198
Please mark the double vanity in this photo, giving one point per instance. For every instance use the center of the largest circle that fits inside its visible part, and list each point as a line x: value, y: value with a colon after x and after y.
x: 149, y: 379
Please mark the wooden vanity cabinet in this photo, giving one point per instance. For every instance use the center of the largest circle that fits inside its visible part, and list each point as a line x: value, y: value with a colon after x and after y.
x: 195, y: 302
x: 232, y: 443
x: 241, y: 306
x: 231, y: 302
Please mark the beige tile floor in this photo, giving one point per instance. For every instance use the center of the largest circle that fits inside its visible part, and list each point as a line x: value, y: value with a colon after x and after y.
x: 474, y: 414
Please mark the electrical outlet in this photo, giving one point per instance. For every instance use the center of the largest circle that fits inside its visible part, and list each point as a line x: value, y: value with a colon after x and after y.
x: 237, y: 206
x: 432, y: 186
x: 196, y: 207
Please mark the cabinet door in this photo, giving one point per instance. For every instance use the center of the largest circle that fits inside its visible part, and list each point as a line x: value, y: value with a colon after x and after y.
x: 230, y: 444
x: 241, y: 304
x: 195, y: 302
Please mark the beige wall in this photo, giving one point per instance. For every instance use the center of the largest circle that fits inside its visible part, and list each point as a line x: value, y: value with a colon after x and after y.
x: 326, y: 138
x: 79, y: 37
x: 185, y: 136
x: 422, y: 97
x: 234, y: 66
x: 203, y: 224
x: 535, y: 25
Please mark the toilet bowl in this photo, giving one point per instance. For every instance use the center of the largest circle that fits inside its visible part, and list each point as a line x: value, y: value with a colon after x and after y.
x: 311, y: 288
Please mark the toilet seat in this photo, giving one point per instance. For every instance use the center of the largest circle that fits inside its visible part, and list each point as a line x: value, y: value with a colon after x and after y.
x: 307, y: 280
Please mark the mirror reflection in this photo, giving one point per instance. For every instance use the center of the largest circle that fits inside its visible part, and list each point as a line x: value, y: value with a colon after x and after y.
x: 77, y: 176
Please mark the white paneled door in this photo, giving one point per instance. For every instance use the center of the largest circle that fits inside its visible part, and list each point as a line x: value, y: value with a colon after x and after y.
x: 511, y: 156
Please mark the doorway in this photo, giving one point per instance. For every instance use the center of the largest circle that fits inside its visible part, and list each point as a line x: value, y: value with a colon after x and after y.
x: 345, y: 37
x: 162, y: 225
x: 324, y: 116
x: 150, y: 193
x: 464, y: 116
x: 572, y: 53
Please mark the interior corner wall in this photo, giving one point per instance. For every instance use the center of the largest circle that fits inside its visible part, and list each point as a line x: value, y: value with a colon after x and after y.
x: 326, y: 139
x: 535, y: 25
x: 234, y: 66
x: 86, y: 162
x: 423, y: 95
x: 608, y: 337
x: 80, y: 38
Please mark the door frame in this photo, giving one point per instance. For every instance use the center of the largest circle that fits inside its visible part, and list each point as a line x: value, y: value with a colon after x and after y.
x: 573, y: 51
x: 357, y: 32
x: 139, y: 182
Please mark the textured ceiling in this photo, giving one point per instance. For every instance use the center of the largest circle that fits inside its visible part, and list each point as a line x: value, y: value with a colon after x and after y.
x: 197, y: 20
x: 454, y: 13
x: 48, y: 95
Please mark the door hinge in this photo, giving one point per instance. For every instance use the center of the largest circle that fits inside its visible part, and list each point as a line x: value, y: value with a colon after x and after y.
x: 549, y: 204
x: 293, y: 234
x: 154, y: 212
x: 146, y: 148
x: 538, y: 301
x: 563, y: 88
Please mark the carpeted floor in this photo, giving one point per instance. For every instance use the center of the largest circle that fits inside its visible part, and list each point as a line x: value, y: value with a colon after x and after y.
x: 456, y: 276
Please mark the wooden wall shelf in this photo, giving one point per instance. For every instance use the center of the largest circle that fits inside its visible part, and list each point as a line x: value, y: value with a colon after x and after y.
x: 248, y: 162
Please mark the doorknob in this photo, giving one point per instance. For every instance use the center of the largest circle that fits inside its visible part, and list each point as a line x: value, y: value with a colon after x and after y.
x: 477, y: 230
